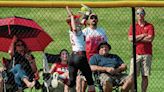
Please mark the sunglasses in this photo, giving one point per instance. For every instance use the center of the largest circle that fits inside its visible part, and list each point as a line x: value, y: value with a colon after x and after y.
x: 93, y: 17
x: 140, y: 13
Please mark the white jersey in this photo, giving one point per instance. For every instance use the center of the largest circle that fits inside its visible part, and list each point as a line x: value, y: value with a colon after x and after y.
x: 93, y: 38
x: 95, y: 34
x: 77, y: 41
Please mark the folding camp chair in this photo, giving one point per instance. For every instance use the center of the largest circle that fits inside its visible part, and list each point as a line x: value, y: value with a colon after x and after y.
x: 97, y: 81
x: 48, y: 59
x: 9, y: 84
x: 116, y: 83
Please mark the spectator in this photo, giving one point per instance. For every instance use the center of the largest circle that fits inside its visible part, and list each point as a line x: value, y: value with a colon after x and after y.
x: 20, y: 75
x: 144, y: 38
x: 61, y: 67
x: 94, y: 36
x: 110, y: 66
x: 23, y: 64
x: 78, y: 57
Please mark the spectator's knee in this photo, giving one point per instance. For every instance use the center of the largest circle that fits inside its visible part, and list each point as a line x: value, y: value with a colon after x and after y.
x: 1, y: 84
x: 127, y: 85
x: 123, y: 89
x: 1, y: 81
x: 107, y: 85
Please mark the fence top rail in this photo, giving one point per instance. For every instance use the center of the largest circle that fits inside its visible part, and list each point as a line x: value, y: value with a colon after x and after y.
x: 76, y: 4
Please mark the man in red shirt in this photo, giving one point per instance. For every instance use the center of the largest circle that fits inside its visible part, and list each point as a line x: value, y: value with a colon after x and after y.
x: 144, y: 37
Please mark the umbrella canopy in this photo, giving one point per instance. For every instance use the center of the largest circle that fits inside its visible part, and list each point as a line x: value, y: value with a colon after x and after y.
x: 25, y: 29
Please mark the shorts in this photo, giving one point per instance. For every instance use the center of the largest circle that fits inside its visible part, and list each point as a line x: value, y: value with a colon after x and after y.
x: 114, y: 79
x: 78, y: 61
x: 143, y: 63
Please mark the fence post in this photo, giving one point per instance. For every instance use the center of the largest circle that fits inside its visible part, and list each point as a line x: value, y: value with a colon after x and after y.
x: 134, y: 49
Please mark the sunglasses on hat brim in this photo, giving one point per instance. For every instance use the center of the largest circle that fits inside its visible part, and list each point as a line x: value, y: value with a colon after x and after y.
x: 93, y: 17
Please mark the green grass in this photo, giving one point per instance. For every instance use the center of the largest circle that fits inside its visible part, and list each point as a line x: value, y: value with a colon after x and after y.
x: 115, y: 21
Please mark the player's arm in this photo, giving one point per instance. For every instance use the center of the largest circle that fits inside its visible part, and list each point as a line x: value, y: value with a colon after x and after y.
x: 85, y: 18
x: 85, y: 14
x: 72, y: 19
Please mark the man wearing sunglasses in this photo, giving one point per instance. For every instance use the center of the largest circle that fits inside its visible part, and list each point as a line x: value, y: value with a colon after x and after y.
x: 94, y: 35
x: 144, y: 38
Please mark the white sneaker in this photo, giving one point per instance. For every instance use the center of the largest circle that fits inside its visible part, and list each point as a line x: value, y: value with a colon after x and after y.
x: 54, y: 82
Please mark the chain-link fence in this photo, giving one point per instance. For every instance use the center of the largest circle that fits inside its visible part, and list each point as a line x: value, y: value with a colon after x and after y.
x: 115, y: 21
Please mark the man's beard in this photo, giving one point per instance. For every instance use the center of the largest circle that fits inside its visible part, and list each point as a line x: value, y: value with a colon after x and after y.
x: 94, y: 24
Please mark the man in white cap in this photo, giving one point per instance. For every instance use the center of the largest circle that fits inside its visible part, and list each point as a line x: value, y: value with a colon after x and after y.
x: 94, y: 35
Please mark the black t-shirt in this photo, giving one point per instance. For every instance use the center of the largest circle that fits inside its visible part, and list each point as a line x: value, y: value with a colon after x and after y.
x: 25, y: 64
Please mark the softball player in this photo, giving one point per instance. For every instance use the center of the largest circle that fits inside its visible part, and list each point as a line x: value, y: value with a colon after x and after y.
x: 78, y: 58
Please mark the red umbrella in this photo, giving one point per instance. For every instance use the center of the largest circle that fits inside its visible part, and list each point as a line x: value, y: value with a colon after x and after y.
x: 25, y: 29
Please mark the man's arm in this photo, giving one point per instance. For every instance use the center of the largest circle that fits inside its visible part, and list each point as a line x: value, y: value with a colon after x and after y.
x: 148, y: 38
x: 72, y: 19
x: 11, y: 48
x: 145, y: 37
x: 97, y: 68
x: 102, y: 69
x: 142, y: 38
x: 150, y: 35
x: 138, y: 37
x: 121, y: 68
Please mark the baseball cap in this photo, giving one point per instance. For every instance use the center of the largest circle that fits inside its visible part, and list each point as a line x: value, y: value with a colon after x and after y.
x: 104, y: 43
x: 92, y: 15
